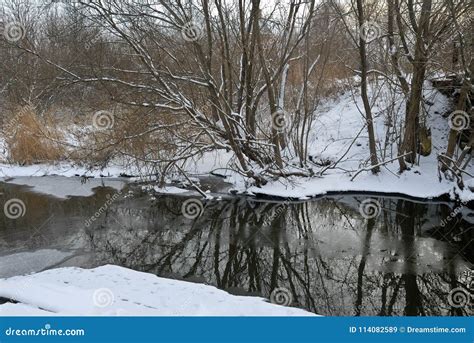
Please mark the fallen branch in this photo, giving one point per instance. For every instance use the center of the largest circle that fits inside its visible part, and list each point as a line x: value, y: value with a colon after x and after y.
x: 455, y: 167
x: 464, y: 152
x: 378, y: 165
x: 332, y: 166
x: 196, y: 187
x: 453, y: 172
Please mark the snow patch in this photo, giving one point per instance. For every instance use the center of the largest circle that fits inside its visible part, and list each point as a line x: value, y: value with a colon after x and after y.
x: 64, y: 187
x: 112, y: 290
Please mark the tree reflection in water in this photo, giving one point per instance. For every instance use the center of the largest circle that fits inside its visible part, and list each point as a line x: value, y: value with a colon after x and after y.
x: 333, y: 260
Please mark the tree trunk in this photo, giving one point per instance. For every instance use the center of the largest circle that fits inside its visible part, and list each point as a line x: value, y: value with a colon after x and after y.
x: 461, y: 106
x: 271, y: 98
x: 394, y: 53
x: 410, y: 141
x: 364, y: 95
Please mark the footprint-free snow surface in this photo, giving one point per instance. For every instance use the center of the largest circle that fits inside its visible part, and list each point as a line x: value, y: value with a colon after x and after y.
x: 64, y: 187
x: 113, y: 290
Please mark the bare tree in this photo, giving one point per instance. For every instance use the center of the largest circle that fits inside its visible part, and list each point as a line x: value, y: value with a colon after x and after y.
x: 363, y: 88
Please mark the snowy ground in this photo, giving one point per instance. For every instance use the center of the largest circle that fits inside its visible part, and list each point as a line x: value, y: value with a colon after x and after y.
x: 62, y: 169
x: 63, y: 187
x: 337, y: 123
x: 112, y: 290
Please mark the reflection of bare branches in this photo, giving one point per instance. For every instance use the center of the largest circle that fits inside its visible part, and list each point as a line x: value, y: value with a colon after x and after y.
x: 254, y: 249
x: 361, y: 268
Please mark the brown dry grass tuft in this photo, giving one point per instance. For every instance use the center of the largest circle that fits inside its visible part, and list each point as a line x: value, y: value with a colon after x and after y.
x: 31, y: 139
x: 132, y: 135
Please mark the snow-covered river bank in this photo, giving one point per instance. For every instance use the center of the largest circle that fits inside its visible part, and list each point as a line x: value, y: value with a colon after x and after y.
x: 117, y: 291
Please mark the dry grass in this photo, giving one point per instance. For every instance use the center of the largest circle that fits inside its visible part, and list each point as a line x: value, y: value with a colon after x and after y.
x: 31, y: 139
x: 130, y: 136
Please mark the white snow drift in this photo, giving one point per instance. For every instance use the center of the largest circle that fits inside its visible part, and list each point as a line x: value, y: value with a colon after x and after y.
x: 112, y: 290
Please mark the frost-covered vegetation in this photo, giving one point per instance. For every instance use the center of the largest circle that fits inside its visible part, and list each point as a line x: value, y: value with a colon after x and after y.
x: 327, y: 95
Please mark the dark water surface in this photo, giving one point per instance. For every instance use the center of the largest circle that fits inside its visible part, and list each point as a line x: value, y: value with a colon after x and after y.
x: 332, y: 259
